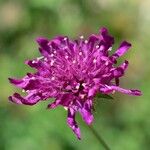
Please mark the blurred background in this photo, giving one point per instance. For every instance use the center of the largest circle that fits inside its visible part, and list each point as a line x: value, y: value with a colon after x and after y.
x: 123, y: 122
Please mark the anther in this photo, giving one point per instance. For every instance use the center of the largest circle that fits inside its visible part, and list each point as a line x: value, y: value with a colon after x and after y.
x: 66, y: 57
x: 74, y: 62
x: 65, y: 38
x: 80, y: 53
x: 110, y: 49
x: 33, y: 62
x: 97, y: 46
x: 86, y: 41
x: 52, y: 62
x: 101, y: 47
x: 53, y: 78
x: 94, y: 61
x: 81, y: 37
x: 39, y: 58
x: 23, y: 90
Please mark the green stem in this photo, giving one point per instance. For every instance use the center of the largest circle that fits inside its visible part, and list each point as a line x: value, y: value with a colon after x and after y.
x: 98, y: 137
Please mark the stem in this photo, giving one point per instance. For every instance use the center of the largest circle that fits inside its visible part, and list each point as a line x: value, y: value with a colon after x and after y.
x: 98, y: 137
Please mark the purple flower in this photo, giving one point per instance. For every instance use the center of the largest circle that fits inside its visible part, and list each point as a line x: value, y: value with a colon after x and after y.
x: 73, y: 72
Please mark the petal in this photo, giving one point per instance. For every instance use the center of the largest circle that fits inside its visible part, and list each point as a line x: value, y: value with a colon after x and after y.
x: 33, y: 84
x: 44, y: 47
x: 107, y: 40
x: 39, y: 65
x: 92, y: 40
x: 19, y: 82
x: 109, y: 89
x: 42, y: 41
x: 86, y: 112
x: 30, y: 99
x: 122, y: 49
x: 66, y: 99
x: 34, y: 63
x: 125, y: 65
x: 16, y: 98
x: 126, y: 91
x: 54, y: 104
x: 119, y: 71
x: 92, y: 91
x: 59, y: 39
x: 45, y: 52
x: 72, y: 123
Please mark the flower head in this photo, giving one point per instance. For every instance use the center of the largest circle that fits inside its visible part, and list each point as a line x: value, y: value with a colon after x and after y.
x: 73, y: 72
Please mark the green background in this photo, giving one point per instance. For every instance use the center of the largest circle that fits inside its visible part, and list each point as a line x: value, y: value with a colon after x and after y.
x: 123, y: 122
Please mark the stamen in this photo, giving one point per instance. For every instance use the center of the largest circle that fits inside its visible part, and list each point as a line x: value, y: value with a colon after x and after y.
x: 52, y: 62
x: 49, y: 44
x: 82, y: 96
x: 45, y: 59
x: 65, y: 108
x: 97, y: 46
x: 84, y: 71
x: 110, y: 49
x: 52, y: 55
x: 53, y: 78
x: 80, y: 53
x: 106, y: 63
x: 81, y: 37
x: 33, y: 78
x: 83, y: 84
x: 23, y: 90
x: 74, y: 62
x: 33, y: 62
x: 77, y: 86
x: 86, y: 41
x: 113, y: 92
x: 101, y: 48
x: 39, y: 58
x: 65, y: 39
x: 108, y: 86
x: 94, y: 61
x: 66, y: 56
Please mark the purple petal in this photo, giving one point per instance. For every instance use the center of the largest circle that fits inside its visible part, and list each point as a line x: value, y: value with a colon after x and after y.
x: 54, y: 104
x: 44, y: 47
x: 122, y: 49
x: 106, y: 39
x: 66, y: 99
x: 72, y: 123
x: 119, y: 71
x: 42, y: 41
x: 19, y: 82
x: 15, y: 81
x: 92, y: 91
x: 39, y: 65
x: 30, y: 99
x: 86, y: 112
x: 125, y: 91
x: 109, y: 89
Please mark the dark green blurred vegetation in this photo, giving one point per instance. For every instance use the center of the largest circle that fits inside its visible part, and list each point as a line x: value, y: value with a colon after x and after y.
x: 123, y: 122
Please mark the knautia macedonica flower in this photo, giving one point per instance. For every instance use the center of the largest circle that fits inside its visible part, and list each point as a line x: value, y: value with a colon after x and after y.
x: 72, y: 73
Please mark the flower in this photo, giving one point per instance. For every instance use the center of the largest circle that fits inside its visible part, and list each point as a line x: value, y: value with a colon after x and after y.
x: 73, y: 72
